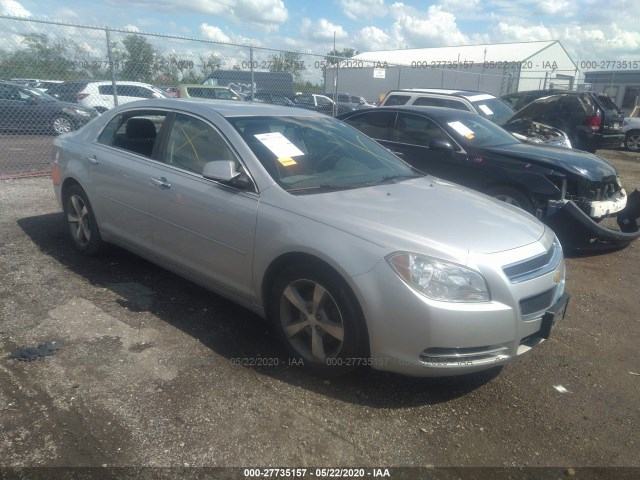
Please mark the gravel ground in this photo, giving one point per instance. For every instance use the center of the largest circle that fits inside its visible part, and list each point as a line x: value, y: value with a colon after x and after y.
x: 144, y: 372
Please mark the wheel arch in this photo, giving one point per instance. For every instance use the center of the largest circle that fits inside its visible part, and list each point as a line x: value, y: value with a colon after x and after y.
x: 281, y: 263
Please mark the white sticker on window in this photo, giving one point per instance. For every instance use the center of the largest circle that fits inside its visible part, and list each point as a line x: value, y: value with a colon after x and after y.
x: 462, y: 129
x: 279, y: 145
x: 485, y: 109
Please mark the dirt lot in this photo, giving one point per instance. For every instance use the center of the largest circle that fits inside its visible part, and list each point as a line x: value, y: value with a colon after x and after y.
x: 145, y: 372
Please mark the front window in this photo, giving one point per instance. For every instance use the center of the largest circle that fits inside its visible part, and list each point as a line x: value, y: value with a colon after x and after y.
x: 315, y: 154
x: 475, y: 131
x: 494, y: 109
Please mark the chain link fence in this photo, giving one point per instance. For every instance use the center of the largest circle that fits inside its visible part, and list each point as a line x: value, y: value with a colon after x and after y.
x: 94, y: 69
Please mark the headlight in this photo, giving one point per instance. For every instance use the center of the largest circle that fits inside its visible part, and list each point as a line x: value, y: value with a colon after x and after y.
x: 439, y: 280
x: 76, y: 111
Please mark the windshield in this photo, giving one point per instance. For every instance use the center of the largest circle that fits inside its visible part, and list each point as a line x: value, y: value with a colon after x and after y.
x: 494, y: 109
x: 475, y: 131
x: 25, y: 93
x: 307, y: 154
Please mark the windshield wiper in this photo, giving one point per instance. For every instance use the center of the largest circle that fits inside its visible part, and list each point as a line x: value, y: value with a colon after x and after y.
x: 391, y: 178
x: 324, y: 187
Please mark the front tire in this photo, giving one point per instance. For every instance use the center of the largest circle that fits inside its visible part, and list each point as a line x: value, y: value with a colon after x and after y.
x: 81, y: 221
x: 319, y: 321
x: 512, y: 197
x: 62, y: 124
x: 632, y: 141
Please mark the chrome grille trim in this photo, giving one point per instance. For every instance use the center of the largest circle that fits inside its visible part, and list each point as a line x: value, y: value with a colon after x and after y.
x: 535, y: 266
x: 534, y: 306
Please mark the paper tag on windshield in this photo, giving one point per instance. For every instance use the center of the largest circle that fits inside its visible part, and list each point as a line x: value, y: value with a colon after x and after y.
x: 279, y: 145
x: 485, y: 109
x: 462, y: 129
x: 287, y: 161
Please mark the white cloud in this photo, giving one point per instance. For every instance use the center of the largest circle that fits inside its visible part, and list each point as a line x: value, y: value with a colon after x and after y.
x: 372, y: 38
x: 213, y: 33
x: 321, y: 30
x: 363, y: 9
x: 508, y: 32
x: 131, y: 28
x: 557, y: 7
x: 13, y: 8
x: 267, y: 15
x: 433, y: 28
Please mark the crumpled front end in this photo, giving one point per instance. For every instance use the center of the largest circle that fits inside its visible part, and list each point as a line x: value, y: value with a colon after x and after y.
x: 580, y: 232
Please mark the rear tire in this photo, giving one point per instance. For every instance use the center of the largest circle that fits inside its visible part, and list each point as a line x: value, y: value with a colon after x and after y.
x: 81, y: 221
x: 513, y: 197
x: 632, y: 141
x: 318, y: 320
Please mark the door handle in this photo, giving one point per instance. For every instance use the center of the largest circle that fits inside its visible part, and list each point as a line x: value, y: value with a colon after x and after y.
x: 160, y: 182
x: 93, y: 160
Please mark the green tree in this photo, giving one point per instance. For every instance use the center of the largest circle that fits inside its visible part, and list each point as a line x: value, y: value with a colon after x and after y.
x: 344, y: 53
x: 141, y: 59
x: 288, y: 62
x: 40, y: 58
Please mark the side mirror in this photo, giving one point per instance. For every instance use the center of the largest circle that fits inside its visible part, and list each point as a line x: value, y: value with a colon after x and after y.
x: 225, y: 171
x: 442, y: 146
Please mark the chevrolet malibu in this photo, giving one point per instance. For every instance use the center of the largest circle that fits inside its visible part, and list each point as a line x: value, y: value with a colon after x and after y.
x: 355, y: 257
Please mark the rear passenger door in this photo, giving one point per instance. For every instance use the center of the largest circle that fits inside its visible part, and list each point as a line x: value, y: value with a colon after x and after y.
x: 203, y: 227
x: 122, y: 166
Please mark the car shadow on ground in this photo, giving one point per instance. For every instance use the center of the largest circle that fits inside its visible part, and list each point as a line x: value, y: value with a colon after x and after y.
x: 228, y: 329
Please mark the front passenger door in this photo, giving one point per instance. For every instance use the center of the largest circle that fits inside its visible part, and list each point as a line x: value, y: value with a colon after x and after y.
x: 203, y: 227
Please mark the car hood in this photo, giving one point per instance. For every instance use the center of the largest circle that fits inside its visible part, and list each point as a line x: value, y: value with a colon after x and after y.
x: 578, y: 162
x: 418, y: 215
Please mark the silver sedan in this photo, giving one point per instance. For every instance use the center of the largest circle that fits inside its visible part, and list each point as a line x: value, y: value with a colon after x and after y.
x: 354, y: 256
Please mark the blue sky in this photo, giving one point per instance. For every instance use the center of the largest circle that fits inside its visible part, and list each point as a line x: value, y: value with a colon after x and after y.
x: 588, y: 29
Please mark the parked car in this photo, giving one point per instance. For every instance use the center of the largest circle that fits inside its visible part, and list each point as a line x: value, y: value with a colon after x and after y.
x: 100, y: 94
x: 353, y: 101
x: 272, y: 98
x: 68, y: 91
x: 555, y: 184
x: 320, y: 103
x: 28, y: 109
x: 591, y: 120
x: 484, y: 104
x: 354, y: 256
x: 519, y: 100
x: 207, y: 91
x: 631, y: 130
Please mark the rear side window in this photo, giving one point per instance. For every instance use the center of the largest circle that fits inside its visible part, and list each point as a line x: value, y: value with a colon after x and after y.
x: 607, y: 103
x: 440, y: 102
x: 376, y: 125
x: 396, y: 100
x: 136, y: 132
x: 304, y: 100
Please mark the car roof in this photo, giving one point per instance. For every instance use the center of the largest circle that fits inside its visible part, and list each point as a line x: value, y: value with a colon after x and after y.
x: 468, y: 94
x: 438, y: 113
x: 222, y: 107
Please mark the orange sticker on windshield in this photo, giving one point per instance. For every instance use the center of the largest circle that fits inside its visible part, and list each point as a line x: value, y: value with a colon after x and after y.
x: 287, y: 161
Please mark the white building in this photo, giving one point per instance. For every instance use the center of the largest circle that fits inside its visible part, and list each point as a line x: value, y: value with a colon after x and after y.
x: 495, y: 68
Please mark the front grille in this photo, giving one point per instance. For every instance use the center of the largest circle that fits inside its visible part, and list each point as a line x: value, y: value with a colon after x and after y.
x: 537, y: 303
x: 518, y: 272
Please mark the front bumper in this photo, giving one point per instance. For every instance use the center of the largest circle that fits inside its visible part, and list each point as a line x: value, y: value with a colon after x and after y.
x: 413, y: 335
x: 577, y: 231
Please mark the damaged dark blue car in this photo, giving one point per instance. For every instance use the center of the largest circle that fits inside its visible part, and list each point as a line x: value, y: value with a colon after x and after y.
x: 572, y: 191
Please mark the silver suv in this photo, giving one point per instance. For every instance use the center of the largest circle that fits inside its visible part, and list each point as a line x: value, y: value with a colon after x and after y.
x: 484, y: 104
x: 101, y: 95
